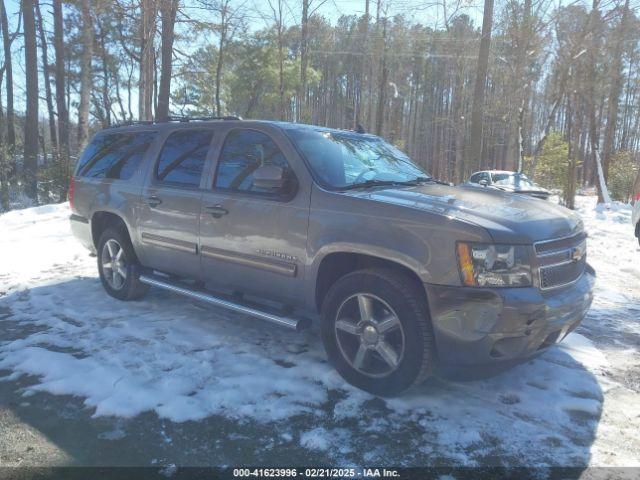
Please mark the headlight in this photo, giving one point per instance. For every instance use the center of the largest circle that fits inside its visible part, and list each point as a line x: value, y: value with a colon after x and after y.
x: 487, y: 265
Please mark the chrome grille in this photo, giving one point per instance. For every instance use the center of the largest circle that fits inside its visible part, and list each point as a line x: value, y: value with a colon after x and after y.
x: 561, y: 261
x: 558, y: 244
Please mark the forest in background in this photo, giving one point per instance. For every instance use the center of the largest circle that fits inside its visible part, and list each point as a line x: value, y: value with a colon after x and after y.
x: 549, y: 88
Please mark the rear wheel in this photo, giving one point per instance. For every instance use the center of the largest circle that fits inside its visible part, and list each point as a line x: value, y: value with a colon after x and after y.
x: 376, y: 331
x: 118, y: 266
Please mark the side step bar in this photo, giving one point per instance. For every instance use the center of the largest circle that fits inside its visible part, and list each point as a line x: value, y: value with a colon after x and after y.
x: 294, y: 323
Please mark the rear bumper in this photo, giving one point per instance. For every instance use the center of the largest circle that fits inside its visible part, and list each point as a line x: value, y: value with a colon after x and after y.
x: 81, y: 229
x: 487, y: 328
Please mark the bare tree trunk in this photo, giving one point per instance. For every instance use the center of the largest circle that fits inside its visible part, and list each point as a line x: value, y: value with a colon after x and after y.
x: 4, y: 180
x: 458, y: 122
x: 168, y: 12
x: 63, y: 113
x: 570, y: 192
x: 281, y: 113
x: 147, y: 64
x: 364, y: 68
x: 47, y: 81
x: 304, y: 32
x: 474, y: 158
x: 372, y: 69
x: 382, y: 89
x: 31, y: 116
x: 130, y: 93
x: 85, y: 74
x: 614, y: 92
x: 520, y: 152
x: 8, y: 65
x: 590, y: 95
x: 221, y: 51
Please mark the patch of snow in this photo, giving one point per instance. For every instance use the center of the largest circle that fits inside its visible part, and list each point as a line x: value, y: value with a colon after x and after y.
x: 316, y: 439
x: 169, y: 470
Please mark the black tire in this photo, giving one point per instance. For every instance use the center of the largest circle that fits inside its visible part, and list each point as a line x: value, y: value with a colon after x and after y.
x: 407, y: 301
x: 131, y: 288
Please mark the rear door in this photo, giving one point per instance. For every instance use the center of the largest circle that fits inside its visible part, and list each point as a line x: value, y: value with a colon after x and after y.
x: 170, y: 203
x: 252, y: 240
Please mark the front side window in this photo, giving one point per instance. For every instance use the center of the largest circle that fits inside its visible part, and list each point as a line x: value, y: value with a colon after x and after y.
x: 114, y: 155
x: 475, y: 178
x: 343, y: 160
x: 182, y: 157
x: 245, y: 151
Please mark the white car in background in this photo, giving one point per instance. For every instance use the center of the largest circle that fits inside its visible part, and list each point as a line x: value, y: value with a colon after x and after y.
x: 507, y: 181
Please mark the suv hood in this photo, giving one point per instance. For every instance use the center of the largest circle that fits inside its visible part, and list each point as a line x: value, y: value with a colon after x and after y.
x: 509, y: 218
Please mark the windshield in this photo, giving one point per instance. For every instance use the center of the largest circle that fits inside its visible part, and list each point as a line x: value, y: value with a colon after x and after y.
x: 349, y: 160
x: 512, y: 180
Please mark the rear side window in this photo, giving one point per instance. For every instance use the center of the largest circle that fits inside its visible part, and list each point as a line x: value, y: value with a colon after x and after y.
x: 182, y: 157
x: 245, y: 151
x: 114, y: 155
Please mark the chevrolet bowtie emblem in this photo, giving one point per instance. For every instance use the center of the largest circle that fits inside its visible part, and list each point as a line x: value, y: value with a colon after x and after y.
x: 577, y: 253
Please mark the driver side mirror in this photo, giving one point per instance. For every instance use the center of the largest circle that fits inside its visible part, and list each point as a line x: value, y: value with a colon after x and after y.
x: 269, y: 177
x: 483, y: 182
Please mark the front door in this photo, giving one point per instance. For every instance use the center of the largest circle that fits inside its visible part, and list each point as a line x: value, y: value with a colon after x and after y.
x: 254, y: 240
x: 170, y: 204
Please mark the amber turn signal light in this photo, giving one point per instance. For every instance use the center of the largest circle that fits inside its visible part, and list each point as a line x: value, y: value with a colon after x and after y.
x: 466, y: 264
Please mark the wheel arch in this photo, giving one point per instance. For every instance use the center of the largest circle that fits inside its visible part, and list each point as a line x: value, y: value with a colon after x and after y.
x: 103, y: 219
x: 336, y: 264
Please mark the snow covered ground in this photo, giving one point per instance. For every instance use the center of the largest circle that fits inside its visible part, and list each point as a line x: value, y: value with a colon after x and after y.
x: 185, y: 366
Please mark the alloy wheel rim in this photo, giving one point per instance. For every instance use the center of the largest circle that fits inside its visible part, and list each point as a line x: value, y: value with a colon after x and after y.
x: 114, y: 266
x: 370, y: 335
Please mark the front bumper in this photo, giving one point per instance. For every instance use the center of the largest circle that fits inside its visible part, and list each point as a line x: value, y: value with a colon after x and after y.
x: 480, y: 328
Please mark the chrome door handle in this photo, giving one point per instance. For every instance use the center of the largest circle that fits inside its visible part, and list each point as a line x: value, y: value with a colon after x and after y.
x: 216, y: 211
x: 154, y: 201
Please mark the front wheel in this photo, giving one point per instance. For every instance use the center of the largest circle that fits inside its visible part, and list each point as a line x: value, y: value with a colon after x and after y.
x: 118, y: 266
x: 376, y: 331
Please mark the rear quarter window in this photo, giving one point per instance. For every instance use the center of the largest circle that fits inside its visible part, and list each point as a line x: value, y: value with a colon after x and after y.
x: 114, y: 155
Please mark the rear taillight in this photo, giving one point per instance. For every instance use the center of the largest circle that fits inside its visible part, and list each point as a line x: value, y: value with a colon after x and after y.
x: 637, y: 197
x: 72, y: 187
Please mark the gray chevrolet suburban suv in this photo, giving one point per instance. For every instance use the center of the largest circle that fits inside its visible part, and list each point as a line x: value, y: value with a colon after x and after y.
x: 286, y: 221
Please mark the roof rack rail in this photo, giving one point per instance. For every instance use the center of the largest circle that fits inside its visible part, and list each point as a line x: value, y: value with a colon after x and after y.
x: 128, y: 123
x: 203, y: 119
x: 173, y: 119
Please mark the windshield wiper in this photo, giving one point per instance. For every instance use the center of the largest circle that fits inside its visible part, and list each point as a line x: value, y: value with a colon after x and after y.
x: 378, y: 183
x: 431, y: 180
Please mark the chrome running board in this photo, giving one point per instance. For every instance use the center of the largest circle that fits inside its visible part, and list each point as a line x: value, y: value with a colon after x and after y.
x: 294, y: 323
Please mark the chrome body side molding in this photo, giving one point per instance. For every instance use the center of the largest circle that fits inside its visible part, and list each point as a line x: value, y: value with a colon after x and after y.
x: 169, y: 243
x: 268, y: 264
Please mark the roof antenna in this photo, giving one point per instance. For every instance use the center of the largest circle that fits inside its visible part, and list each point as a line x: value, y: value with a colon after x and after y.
x: 360, y: 129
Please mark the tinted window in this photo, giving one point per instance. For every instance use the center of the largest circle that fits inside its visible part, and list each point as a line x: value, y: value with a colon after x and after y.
x: 182, y: 157
x: 243, y: 153
x: 114, y: 155
x: 475, y: 178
